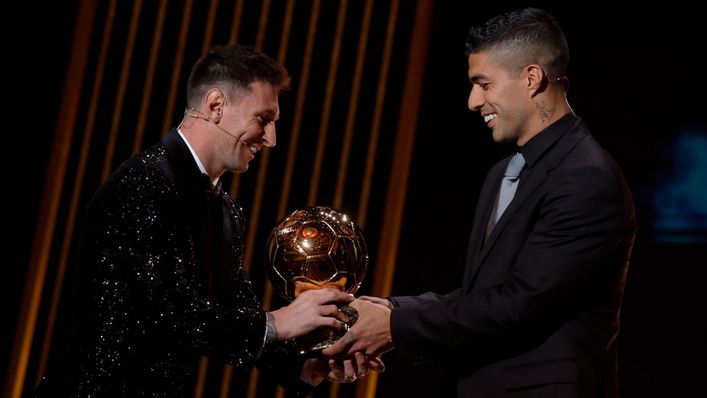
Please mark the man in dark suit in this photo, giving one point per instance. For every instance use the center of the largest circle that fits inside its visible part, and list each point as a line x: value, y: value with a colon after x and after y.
x: 161, y: 280
x: 537, y: 314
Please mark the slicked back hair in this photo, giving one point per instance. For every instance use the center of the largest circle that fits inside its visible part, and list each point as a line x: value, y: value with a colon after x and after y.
x: 520, y: 38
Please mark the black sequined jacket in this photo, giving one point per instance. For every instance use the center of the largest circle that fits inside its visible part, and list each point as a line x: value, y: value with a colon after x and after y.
x: 160, y: 283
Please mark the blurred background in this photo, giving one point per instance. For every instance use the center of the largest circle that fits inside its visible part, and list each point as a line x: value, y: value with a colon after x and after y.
x: 375, y: 124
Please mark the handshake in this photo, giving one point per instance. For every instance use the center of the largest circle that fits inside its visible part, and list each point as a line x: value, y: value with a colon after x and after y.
x: 361, y: 344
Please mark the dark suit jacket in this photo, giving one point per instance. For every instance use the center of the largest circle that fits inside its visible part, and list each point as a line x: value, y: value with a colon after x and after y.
x: 538, y: 309
x: 160, y: 283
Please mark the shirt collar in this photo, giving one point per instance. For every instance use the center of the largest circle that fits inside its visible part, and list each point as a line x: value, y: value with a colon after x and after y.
x: 534, y: 149
x: 196, y: 157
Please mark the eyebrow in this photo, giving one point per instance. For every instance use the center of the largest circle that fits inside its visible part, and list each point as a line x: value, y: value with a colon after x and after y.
x: 475, y: 79
x: 270, y: 113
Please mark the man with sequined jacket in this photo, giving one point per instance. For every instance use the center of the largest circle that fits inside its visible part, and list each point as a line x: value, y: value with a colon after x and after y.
x: 160, y: 278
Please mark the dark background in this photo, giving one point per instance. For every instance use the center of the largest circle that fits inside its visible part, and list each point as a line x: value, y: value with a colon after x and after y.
x: 637, y: 80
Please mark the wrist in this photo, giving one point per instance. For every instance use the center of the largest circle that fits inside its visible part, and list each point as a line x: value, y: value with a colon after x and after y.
x: 271, y: 334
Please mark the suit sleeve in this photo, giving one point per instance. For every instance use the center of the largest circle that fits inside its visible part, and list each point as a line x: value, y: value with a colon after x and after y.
x: 425, y: 298
x: 141, y: 285
x: 578, y: 225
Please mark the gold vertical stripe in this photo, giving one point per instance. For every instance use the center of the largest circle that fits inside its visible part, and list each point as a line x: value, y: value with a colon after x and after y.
x: 76, y: 192
x: 404, y: 140
x: 299, y: 109
x: 177, y: 71
x: 334, y: 390
x: 209, y: 29
x: 286, y: 28
x: 226, y: 380
x: 201, y: 377
x: 400, y: 171
x: 150, y: 77
x: 353, y: 105
x: 46, y: 219
x: 326, y: 107
x: 377, y: 114
x: 122, y: 86
x: 262, y: 25
x: 236, y: 26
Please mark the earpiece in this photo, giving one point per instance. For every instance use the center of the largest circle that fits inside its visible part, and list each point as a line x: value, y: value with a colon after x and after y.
x: 191, y: 112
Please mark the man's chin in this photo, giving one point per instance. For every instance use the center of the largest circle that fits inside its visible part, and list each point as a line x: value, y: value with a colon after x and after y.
x: 241, y: 169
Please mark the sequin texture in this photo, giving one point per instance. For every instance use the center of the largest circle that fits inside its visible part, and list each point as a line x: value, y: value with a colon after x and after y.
x: 147, y: 306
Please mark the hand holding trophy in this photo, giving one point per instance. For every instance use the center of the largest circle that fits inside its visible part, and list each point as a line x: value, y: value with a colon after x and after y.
x: 315, y: 248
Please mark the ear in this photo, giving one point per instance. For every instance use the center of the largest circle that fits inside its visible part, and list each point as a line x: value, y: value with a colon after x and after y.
x: 535, y: 79
x: 214, y: 101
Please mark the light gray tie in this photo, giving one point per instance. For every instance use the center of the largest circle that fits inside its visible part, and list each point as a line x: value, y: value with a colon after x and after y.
x: 509, y: 184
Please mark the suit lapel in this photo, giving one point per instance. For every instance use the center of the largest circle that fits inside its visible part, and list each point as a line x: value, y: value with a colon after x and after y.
x: 483, y: 212
x: 532, y: 181
x: 209, y: 217
x: 529, y: 183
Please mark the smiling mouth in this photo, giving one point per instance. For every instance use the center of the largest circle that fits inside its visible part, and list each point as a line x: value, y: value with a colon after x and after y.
x: 251, y: 147
x: 490, y: 117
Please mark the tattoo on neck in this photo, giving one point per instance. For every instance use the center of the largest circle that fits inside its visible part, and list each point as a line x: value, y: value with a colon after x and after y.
x: 544, y: 112
x: 270, y: 330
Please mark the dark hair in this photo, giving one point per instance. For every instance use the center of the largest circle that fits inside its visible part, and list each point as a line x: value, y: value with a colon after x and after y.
x: 233, y: 67
x: 520, y: 38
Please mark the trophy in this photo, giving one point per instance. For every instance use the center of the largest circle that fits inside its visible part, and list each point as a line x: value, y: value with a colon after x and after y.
x: 314, y: 248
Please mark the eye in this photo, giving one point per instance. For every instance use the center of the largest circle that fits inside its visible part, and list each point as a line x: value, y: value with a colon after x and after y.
x: 484, y: 86
x: 262, y: 120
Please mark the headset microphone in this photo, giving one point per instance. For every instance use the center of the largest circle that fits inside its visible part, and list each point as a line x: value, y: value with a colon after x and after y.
x: 197, y: 115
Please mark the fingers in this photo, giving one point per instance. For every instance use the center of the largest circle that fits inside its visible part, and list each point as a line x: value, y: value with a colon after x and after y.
x: 329, y: 310
x: 341, y: 316
x: 336, y: 373
x: 310, y: 310
x: 330, y: 322
x: 326, y: 295
x: 333, y: 311
x: 376, y: 364
x: 378, y: 300
x: 344, y: 373
x: 340, y: 346
x: 349, y: 371
x: 361, y: 364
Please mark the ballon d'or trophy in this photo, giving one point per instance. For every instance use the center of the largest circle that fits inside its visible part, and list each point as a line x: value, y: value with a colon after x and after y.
x: 315, y: 248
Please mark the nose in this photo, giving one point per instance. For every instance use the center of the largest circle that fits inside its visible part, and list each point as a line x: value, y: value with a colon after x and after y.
x: 270, y: 139
x: 476, y: 99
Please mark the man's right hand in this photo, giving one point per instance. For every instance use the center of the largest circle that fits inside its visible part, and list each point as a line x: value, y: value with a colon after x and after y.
x: 310, y: 310
x: 370, y: 334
